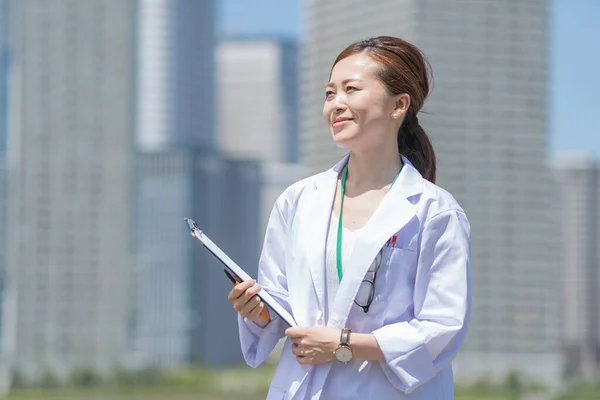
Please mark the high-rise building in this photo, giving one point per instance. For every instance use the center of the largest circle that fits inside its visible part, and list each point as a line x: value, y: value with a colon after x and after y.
x: 577, y: 180
x: 175, y: 73
x: 258, y: 110
x: 4, y: 70
x: 487, y: 118
x: 183, y: 315
x: 3, y: 238
x: 69, y: 183
x: 181, y: 312
x: 258, y: 99
x: 4, y: 73
x: 4, y: 54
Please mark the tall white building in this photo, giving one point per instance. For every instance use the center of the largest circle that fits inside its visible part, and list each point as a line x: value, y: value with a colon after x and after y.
x: 4, y: 73
x: 181, y: 312
x: 258, y: 99
x: 487, y: 118
x: 175, y: 74
x: 259, y: 109
x: 69, y: 183
x: 577, y: 180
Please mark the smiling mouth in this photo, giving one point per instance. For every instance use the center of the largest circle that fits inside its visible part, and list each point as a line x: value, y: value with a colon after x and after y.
x: 340, y: 122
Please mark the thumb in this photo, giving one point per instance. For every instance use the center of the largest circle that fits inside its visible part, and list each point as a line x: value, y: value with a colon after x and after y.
x: 293, y: 332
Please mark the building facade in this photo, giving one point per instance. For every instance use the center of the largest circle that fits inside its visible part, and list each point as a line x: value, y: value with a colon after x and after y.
x: 577, y: 180
x: 486, y: 116
x: 258, y: 110
x: 258, y: 98
x: 183, y: 315
x: 69, y: 184
x: 4, y: 71
x: 175, y: 89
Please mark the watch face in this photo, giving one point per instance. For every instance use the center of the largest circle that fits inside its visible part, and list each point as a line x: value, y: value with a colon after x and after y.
x: 343, y: 354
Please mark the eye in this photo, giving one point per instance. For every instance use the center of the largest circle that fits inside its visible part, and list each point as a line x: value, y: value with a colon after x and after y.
x: 329, y: 93
x: 351, y: 88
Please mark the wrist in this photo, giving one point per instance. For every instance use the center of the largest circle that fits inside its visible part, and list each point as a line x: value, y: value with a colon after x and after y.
x: 260, y: 322
x: 343, y: 352
x: 263, y: 319
x: 366, y: 347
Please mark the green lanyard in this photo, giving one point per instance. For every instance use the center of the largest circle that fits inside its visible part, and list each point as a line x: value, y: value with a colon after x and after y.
x: 339, y: 233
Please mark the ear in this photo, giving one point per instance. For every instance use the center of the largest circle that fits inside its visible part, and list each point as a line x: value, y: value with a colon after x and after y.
x: 402, y: 104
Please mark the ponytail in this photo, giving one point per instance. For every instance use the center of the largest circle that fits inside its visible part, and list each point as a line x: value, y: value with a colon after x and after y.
x: 403, y: 69
x: 414, y: 144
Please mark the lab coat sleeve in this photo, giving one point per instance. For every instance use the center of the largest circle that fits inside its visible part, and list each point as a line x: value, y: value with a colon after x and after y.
x: 257, y: 343
x: 416, y: 350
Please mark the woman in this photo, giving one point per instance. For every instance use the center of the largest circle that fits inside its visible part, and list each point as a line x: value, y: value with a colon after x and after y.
x: 371, y: 257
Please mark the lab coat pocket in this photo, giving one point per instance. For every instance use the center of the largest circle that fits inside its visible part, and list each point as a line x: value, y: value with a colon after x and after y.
x: 402, y: 258
x: 395, y: 278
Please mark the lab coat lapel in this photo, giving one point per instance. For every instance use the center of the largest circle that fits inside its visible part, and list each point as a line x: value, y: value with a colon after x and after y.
x: 393, y: 213
x: 317, y: 217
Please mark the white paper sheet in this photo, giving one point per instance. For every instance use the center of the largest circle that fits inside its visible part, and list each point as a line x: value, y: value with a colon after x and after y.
x: 236, y: 270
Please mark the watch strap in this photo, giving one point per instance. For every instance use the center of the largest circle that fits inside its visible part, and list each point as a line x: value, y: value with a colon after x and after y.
x: 345, y: 336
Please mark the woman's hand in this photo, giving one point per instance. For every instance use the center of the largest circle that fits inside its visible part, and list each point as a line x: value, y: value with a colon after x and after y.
x: 244, y: 300
x: 314, y: 345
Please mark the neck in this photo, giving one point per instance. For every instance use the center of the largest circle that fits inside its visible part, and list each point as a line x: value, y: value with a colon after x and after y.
x: 374, y: 168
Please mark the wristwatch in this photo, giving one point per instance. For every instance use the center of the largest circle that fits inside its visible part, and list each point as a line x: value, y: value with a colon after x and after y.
x: 343, y: 353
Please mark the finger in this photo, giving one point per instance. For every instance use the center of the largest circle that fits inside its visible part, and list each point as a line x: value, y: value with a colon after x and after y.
x: 243, y: 305
x: 298, y: 350
x: 252, y: 291
x: 304, y: 360
x: 250, y: 306
x: 255, y: 313
x: 296, y: 340
x: 240, y: 289
x: 240, y: 299
x: 290, y: 331
x: 232, y: 295
x: 244, y: 308
x: 294, y: 332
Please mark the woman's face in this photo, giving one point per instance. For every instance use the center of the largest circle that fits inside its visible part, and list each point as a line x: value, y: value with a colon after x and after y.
x: 358, y: 109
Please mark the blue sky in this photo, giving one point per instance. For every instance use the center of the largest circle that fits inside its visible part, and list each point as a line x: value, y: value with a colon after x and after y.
x: 574, y: 113
x: 574, y: 60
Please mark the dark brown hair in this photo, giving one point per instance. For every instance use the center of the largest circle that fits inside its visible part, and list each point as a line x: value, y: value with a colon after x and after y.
x: 404, y: 69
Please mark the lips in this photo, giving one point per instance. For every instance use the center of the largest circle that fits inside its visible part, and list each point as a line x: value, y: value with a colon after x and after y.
x: 339, y: 121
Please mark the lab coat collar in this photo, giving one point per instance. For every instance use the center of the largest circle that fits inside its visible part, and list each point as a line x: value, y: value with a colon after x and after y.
x: 394, y: 212
x: 409, y: 183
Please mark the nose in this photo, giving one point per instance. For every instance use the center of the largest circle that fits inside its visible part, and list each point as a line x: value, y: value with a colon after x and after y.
x: 340, y: 102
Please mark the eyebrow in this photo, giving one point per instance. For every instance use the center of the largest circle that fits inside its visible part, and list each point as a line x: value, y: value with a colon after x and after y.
x: 346, y: 81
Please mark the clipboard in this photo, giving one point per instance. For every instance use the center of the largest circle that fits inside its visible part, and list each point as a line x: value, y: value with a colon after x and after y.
x: 238, y: 272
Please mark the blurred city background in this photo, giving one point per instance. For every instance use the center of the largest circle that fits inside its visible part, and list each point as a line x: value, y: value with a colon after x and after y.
x: 118, y: 118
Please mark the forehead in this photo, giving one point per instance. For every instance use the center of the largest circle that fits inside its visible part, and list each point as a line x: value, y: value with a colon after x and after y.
x: 356, y: 66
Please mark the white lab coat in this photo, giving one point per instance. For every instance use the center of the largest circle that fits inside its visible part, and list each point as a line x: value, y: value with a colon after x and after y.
x: 421, y: 307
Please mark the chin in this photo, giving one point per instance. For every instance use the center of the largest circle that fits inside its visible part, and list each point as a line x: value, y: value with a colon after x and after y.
x: 344, y: 141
